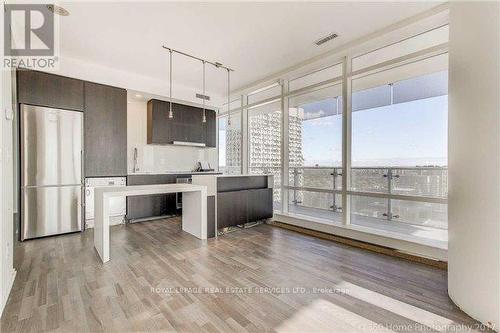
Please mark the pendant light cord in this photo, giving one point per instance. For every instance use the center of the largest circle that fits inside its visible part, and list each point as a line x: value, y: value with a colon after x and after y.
x: 204, y: 61
x: 228, y: 97
x: 204, y: 94
x: 170, y: 112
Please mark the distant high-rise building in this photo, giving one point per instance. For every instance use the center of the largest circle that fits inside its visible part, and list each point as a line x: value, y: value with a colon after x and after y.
x: 265, y: 142
x: 233, y: 149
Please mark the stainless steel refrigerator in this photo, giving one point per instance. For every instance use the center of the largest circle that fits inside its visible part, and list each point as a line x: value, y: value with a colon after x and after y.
x: 51, y: 171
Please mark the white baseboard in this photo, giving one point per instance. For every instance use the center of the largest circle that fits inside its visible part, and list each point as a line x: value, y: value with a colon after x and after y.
x: 113, y: 220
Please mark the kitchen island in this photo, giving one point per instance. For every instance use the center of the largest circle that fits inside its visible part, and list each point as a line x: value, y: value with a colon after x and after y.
x: 150, y: 207
x: 194, y: 210
x: 235, y: 200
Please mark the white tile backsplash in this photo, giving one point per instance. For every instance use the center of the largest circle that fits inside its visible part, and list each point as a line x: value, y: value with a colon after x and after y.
x: 159, y: 158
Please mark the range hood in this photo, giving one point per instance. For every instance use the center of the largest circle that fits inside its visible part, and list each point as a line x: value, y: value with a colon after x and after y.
x: 191, y: 144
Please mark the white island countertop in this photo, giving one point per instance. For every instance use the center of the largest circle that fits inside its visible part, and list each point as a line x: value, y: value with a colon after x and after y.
x: 194, y: 209
x: 245, y: 175
x: 140, y: 173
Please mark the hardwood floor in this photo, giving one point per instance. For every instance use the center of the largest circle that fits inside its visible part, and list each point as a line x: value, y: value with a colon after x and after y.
x: 62, y: 286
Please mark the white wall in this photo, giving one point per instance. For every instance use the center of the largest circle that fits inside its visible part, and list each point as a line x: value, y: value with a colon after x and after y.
x: 7, y: 272
x: 84, y: 70
x: 474, y: 160
x: 158, y: 158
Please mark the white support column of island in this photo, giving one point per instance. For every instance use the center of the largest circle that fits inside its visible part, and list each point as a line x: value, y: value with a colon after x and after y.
x: 194, y: 210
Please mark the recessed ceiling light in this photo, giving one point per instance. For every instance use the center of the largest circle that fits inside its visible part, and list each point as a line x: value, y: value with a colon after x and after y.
x: 58, y: 10
x: 326, y: 38
x: 138, y: 95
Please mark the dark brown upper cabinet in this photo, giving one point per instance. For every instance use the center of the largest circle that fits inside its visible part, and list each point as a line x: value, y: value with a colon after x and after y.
x: 50, y: 90
x: 185, y: 126
x: 105, y: 131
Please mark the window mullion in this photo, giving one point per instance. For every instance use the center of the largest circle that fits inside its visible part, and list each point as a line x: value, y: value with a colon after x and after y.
x: 346, y: 139
x: 284, y: 146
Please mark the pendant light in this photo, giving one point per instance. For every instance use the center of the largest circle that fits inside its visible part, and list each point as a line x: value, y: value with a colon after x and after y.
x: 228, y: 98
x: 170, y: 112
x: 204, y: 62
x: 204, y: 119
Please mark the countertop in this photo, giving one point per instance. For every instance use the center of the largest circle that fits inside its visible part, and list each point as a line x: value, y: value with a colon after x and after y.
x: 148, y: 189
x: 176, y: 173
x: 219, y: 175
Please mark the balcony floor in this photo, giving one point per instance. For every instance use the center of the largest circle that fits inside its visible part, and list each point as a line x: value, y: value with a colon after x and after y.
x: 415, y: 231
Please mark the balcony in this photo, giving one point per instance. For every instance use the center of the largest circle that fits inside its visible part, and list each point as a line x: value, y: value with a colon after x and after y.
x: 409, y: 201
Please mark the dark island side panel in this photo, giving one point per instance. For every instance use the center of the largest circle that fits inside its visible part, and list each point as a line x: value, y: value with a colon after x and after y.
x: 243, y: 199
x: 145, y: 206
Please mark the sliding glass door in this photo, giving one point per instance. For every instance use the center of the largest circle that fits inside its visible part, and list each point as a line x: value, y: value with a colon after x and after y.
x: 315, y: 153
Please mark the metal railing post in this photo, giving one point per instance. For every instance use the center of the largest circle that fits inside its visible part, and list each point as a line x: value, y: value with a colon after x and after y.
x: 389, y: 177
x: 295, y: 174
x: 389, y: 190
x: 334, y: 204
x: 335, y: 174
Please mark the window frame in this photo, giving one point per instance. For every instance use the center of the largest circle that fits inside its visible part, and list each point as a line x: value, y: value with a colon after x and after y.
x: 346, y: 60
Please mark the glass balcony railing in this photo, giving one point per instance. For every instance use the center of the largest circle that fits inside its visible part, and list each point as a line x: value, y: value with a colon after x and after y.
x: 400, y: 196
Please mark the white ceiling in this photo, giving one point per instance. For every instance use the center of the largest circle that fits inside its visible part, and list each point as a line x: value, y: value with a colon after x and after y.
x: 256, y: 39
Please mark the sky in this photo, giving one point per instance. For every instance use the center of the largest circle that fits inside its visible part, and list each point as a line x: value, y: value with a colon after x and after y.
x: 405, y: 134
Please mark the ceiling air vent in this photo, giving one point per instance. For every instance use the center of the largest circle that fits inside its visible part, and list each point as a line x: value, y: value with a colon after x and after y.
x: 325, y: 39
x: 201, y: 96
x: 58, y: 10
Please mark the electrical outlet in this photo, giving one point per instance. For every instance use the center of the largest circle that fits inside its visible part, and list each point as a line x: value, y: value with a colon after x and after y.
x: 9, y: 114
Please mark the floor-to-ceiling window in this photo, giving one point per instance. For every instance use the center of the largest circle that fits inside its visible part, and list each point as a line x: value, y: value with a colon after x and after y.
x: 399, y: 142
x: 315, y: 153
x: 393, y: 136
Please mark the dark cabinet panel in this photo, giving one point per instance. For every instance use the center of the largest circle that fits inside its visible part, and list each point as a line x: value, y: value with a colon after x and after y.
x: 144, y: 206
x: 105, y: 131
x: 232, y: 208
x: 260, y: 204
x: 44, y: 89
x: 163, y: 128
x: 139, y: 207
x: 210, y: 128
x: 243, y: 199
x: 186, y: 125
x: 241, y: 183
x: 151, y: 179
x: 211, y: 216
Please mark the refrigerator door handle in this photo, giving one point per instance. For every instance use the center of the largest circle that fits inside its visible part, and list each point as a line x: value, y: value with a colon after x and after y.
x: 41, y: 186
